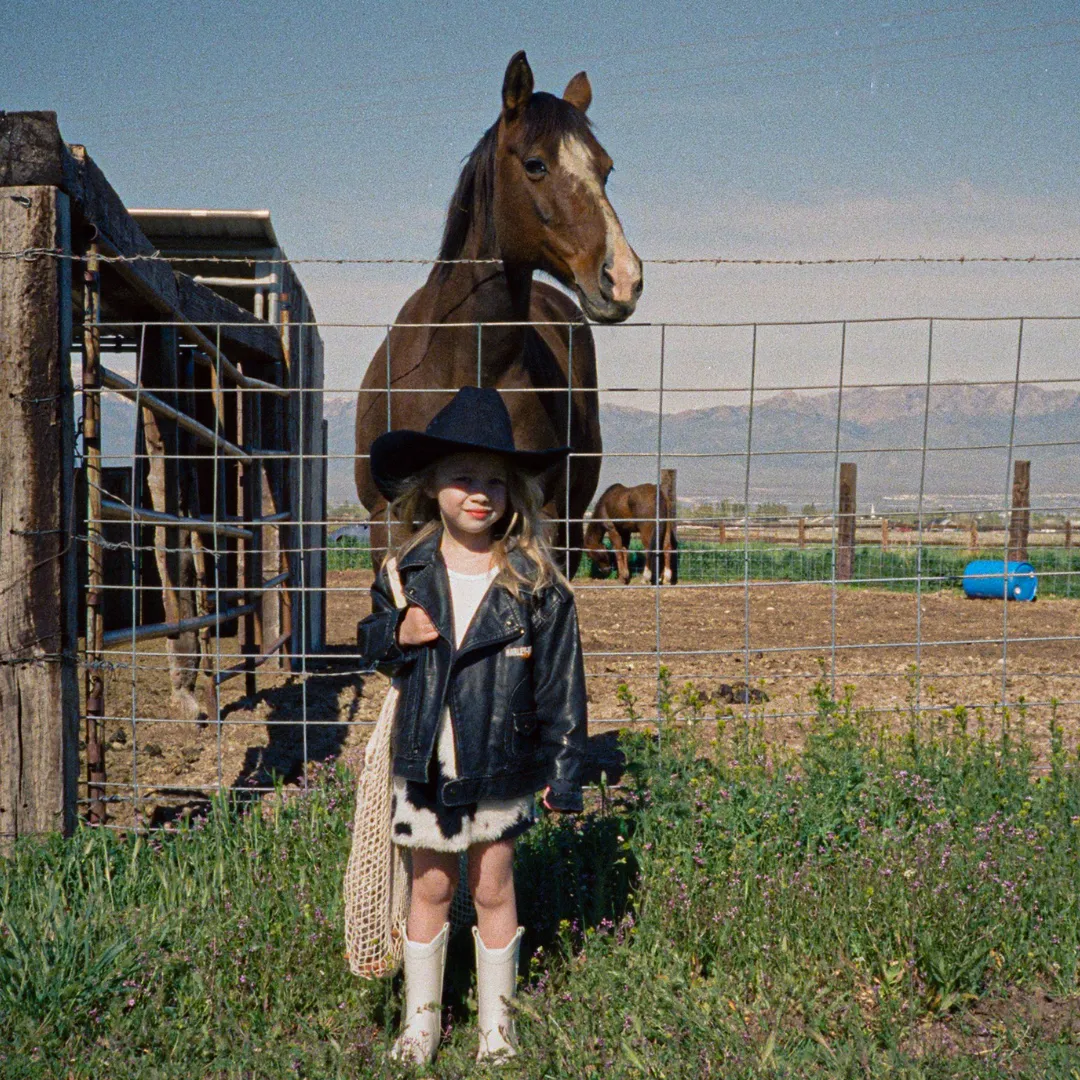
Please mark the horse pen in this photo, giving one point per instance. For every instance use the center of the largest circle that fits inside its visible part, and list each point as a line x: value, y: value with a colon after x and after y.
x: 183, y: 626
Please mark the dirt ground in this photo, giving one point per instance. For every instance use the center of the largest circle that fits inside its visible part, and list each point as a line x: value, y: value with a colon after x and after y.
x: 701, y: 632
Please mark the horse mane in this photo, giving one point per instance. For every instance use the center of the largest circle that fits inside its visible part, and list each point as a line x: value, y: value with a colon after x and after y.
x: 546, y: 117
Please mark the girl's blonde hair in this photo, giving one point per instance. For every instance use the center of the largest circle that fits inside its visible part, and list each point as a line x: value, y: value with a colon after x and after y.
x: 523, y: 528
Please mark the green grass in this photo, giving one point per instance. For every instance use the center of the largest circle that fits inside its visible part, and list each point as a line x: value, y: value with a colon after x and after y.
x: 896, y: 570
x: 728, y: 911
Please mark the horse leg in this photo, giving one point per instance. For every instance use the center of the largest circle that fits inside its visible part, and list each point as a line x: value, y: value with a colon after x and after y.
x: 619, y: 545
x: 576, y: 543
x: 647, y: 532
x: 669, y: 546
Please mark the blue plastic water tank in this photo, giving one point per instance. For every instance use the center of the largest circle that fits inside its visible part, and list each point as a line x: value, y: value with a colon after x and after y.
x: 987, y: 578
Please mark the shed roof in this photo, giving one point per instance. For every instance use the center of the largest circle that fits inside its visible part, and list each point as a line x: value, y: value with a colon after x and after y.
x: 227, y: 230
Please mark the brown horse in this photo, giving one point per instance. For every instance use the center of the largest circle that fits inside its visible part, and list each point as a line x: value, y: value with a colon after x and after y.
x: 530, y: 197
x: 621, y: 511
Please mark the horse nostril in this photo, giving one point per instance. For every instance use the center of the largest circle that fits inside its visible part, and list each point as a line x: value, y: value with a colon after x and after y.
x: 607, y: 281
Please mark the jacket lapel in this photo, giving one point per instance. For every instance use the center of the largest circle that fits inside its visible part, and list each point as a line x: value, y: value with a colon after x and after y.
x: 426, y: 584
x: 496, y: 619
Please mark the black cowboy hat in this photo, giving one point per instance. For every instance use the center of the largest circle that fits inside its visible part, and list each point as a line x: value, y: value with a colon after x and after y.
x: 476, y: 420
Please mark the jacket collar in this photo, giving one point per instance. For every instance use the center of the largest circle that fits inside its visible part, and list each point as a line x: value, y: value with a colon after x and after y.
x: 428, y: 585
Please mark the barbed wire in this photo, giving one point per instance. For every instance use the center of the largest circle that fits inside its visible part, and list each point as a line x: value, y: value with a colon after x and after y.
x: 29, y: 254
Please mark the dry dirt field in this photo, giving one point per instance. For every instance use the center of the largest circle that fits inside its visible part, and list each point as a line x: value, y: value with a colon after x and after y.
x: 702, y: 640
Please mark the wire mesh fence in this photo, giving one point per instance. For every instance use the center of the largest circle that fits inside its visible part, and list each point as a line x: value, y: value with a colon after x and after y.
x: 787, y: 577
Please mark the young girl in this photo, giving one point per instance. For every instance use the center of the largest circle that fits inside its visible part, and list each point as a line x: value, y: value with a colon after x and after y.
x: 492, y: 692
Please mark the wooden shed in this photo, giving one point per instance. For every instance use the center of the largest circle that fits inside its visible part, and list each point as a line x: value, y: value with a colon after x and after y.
x: 226, y: 482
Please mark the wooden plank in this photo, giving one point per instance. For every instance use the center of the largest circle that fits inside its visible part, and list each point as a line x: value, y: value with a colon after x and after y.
x: 845, y: 522
x: 173, y: 555
x: 1020, y: 515
x: 206, y: 309
x: 884, y: 534
x: 39, y: 698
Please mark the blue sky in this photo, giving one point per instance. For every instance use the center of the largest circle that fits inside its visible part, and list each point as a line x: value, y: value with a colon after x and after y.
x: 775, y: 129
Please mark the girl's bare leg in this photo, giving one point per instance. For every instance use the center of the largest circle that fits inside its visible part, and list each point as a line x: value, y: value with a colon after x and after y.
x: 434, y: 881
x: 491, y: 882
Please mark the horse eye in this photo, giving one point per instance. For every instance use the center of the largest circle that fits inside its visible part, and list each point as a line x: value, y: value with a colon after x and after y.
x: 535, y: 168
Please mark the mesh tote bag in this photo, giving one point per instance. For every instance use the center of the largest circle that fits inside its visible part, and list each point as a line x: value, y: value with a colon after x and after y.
x: 377, y: 874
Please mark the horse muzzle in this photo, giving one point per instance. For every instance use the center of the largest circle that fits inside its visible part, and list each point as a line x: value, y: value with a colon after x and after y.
x: 615, y: 293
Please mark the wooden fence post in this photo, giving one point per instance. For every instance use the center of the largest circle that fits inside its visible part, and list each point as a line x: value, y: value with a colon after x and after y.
x: 39, y: 695
x: 1020, y: 515
x: 668, y: 488
x: 884, y: 534
x: 973, y: 541
x: 845, y: 526
x: 1068, y: 534
x: 95, y: 552
x: 802, y: 532
x: 723, y: 532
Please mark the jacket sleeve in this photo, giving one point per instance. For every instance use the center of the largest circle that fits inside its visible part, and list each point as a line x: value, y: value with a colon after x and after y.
x: 377, y: 634
x: 559, y: 690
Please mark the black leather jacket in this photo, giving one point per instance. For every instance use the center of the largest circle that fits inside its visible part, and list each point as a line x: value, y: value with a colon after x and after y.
x: 516, y: 687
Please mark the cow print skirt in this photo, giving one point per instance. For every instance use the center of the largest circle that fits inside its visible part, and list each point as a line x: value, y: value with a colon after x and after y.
x: 422, y: 820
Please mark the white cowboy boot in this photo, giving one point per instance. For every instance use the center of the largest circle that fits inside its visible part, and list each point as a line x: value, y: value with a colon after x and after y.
x: 422, y: 1015
x: 496, y: 986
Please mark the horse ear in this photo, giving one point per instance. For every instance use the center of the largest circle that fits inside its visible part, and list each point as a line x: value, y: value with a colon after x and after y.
x: 517, y: 84
x: 578, y: 92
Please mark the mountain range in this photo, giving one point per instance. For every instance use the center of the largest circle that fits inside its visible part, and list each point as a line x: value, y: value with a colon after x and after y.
x: 794, y: 438
x: 793, y: 442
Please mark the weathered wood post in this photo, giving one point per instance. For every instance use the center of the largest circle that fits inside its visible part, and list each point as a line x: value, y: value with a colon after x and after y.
x: 39, y: 695
x: 1020, y: 515
x: 95, y: 552
x: 172, y: 545
x: 249, y: 552
x: 845, y: 524
x: 669, y: 489
x: 722, y: 528
x: 884, y: 534
x: 802, y: 532
x: 973, y: 539
x: 1068, y: 534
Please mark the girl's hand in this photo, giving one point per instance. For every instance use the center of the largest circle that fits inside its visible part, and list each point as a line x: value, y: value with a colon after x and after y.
x: 416, y: 628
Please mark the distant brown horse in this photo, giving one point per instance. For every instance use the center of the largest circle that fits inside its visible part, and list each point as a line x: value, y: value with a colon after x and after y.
x: 530, y: 197
x: 621, y: 511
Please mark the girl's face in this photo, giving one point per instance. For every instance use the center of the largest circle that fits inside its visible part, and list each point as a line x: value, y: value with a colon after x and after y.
x: 471, y: 492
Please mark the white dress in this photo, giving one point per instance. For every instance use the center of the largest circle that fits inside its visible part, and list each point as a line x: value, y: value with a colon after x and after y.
x: 420, y: 818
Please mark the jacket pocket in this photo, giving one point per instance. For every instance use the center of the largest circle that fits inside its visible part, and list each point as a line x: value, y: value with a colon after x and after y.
x: 523, y: 739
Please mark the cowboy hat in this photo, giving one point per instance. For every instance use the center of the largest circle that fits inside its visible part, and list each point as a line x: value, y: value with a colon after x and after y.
x: 475, y: 420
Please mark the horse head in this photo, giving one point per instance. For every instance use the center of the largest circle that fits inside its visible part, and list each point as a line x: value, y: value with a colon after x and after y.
x: 550, y: 209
